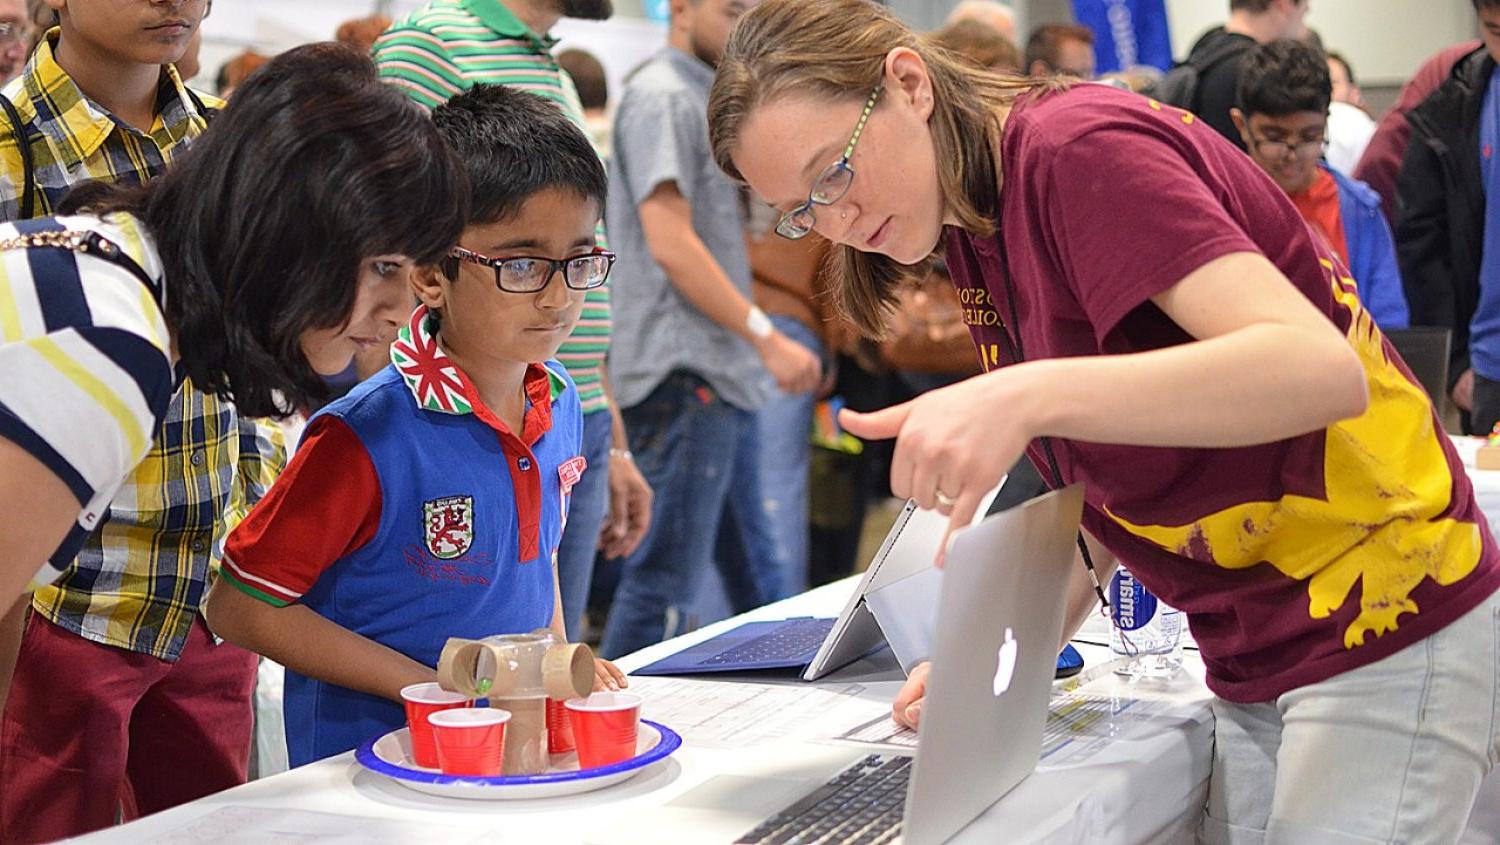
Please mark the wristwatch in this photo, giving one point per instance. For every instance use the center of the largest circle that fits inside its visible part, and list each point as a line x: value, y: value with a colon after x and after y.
x: 758, y: 324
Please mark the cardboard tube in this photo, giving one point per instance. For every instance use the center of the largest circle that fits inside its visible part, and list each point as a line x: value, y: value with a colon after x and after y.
x: 475, y: 669
x: 568, y: 671
x: 525, y: 734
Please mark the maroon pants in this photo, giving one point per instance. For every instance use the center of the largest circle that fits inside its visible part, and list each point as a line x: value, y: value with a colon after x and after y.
x: 91, y: 732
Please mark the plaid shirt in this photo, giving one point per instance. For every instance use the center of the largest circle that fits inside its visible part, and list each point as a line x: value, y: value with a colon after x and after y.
x: 142, y: 574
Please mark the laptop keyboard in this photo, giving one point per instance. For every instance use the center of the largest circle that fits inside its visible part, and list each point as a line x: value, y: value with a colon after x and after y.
x: 795, y: 639
x: 863, y: 805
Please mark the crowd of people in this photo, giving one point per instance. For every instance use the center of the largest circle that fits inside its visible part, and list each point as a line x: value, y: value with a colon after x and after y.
x: 427, y: 333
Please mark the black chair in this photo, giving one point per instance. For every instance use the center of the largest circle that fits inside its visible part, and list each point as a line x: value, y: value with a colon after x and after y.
x: 1425, y: 351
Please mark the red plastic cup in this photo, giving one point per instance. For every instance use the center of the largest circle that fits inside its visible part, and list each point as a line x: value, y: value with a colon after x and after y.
x: 470, y: 741
x: 422, y: 700
x: 559, y: 728
x: 605, y: 726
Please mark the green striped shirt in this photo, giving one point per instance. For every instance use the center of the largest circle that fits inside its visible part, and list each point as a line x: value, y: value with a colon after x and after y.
x: 446, y: 47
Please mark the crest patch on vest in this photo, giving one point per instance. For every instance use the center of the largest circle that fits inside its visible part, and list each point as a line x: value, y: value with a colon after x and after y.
x: 448, y: 526
x: 571, y: 472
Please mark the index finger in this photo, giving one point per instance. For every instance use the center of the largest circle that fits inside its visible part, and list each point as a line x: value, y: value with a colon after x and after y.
x: 962, y: 514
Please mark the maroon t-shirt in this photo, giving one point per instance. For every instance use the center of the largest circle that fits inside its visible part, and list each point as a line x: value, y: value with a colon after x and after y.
x: 1294, y: 560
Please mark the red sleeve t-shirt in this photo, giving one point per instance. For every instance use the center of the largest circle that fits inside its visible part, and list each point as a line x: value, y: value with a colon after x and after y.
x: 1294, y: 560
x: 325, y: 505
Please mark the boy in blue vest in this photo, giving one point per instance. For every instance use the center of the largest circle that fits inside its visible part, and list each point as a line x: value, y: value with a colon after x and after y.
x: 428, y: 502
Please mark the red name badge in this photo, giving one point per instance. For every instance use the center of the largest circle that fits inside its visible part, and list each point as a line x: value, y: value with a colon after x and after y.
x: 571, y: 472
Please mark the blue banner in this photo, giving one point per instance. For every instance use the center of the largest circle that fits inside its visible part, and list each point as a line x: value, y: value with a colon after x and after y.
x: 1127, y: 33
x: 659, y: 11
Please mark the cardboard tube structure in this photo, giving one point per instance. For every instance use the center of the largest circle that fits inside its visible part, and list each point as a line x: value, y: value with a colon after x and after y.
x: 568, y: 671
x: 519, y: 673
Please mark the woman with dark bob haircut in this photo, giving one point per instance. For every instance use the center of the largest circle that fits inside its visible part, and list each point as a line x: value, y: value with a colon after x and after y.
x: 265, y: 256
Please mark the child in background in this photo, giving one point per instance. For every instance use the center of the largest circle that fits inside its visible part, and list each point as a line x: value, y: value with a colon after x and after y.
x: 1284, y: 95
x: 428, y: 503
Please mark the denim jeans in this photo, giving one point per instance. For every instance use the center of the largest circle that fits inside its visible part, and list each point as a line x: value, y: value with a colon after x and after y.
x: 748, y: 552
x: 784, y: 425
x: 1390, y: 752
x: 684, y: 436
x: 580, y: 539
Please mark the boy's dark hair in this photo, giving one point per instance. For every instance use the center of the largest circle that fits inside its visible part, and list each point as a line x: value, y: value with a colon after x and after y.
x: 263, y: 224
x: 513, y: 144
x: 1045, y: 43
x: 1256, y: 6
x: 588, y: 77
x: 1284, y: 77
x: 1481, y: 5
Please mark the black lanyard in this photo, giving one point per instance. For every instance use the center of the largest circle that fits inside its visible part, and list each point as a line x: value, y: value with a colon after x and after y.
x: 1016, y: 351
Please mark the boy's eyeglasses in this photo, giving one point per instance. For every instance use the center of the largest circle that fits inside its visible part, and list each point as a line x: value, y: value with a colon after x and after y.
x: 829, y: 187
x: 1282, y: 150
x: 531, y: 273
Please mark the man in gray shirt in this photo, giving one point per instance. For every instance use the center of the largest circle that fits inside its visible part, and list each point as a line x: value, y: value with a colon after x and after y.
x: 692, y: 356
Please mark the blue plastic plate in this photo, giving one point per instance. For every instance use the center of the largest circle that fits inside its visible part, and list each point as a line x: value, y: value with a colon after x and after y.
x: 390, y: 756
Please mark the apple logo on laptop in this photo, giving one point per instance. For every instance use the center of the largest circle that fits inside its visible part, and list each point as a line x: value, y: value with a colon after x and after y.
x: 1006, y: 665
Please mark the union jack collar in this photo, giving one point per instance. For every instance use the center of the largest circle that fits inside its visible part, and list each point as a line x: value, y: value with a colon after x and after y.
x: 436, y: 383
x: 431, y: 376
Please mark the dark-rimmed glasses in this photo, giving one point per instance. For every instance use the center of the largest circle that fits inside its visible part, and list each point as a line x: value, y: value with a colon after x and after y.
x: 829, y: 187
x: 1281, y: 150
x: 531, y: 273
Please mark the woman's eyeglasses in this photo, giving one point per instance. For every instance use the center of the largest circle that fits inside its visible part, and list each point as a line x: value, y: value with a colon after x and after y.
x: 829, y: 187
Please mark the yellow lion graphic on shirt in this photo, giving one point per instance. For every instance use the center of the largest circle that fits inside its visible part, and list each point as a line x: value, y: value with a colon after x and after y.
x: 1386, y: 480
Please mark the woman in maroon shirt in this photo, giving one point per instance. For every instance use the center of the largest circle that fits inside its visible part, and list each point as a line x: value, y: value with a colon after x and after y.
x: 1155, y: 321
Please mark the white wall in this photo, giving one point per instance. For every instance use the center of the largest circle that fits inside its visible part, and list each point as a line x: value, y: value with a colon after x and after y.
x: 273, y: 25
x: 1385, y: 40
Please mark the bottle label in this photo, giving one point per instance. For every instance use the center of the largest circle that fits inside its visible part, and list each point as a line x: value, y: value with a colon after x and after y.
x: 1133, y: 606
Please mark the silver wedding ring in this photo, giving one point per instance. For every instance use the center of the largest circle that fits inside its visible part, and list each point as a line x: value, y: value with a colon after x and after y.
x: 944, y: 500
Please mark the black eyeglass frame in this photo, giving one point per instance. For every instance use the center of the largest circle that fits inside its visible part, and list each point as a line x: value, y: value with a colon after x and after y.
x: 1287, y: 148
x: 555, y: 266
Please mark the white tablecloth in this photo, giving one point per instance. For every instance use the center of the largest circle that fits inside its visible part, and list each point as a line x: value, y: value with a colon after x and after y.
x: 1484, y: 826
x: 1149, y: 789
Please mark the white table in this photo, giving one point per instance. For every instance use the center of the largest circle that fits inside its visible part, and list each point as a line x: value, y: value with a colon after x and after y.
x: 1486, y: 481
x: 1484, y: 826
x: 1150, y: 789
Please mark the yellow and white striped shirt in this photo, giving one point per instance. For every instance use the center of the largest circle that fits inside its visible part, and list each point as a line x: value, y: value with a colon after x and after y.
x: 87, y: 363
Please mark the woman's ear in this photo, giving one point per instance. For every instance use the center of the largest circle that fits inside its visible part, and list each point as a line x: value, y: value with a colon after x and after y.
x: 427, y: 285
x: 906, y: 77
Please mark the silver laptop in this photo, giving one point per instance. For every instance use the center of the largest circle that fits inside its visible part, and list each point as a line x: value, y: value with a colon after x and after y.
x: 994, y: 654
x: 906, y: 555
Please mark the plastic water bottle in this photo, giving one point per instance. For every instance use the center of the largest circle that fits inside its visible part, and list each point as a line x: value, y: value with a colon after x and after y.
x: 1147, y: 632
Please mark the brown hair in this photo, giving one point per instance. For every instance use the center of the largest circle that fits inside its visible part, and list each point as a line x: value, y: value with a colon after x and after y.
x: 238, y: 69
x: 980, y: 44
x: 1045, y: 43
x: 588, y: 77
x: 836, y: 49
x: 361, y: 33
